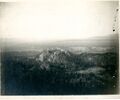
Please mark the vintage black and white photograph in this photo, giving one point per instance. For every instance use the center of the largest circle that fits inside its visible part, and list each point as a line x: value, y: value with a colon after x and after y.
x: 59, y: 47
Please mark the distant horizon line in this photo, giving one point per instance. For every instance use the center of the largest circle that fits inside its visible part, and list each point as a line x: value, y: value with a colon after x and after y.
x: 20, y: 40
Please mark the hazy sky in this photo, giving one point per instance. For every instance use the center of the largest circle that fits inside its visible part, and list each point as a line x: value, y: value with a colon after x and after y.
x: 56, y: 20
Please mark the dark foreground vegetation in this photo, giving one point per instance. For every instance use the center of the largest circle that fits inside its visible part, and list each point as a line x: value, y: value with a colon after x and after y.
x: 58, y: 72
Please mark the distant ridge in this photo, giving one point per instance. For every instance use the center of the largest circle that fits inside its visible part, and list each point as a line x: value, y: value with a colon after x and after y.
x: 108, y: 40
x: 99, y: 41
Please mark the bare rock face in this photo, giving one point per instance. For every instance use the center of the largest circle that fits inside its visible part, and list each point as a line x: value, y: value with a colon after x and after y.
x: 53, y: 56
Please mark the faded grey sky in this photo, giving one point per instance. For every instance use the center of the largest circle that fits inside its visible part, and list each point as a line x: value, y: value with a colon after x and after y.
x: 56, y: 19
